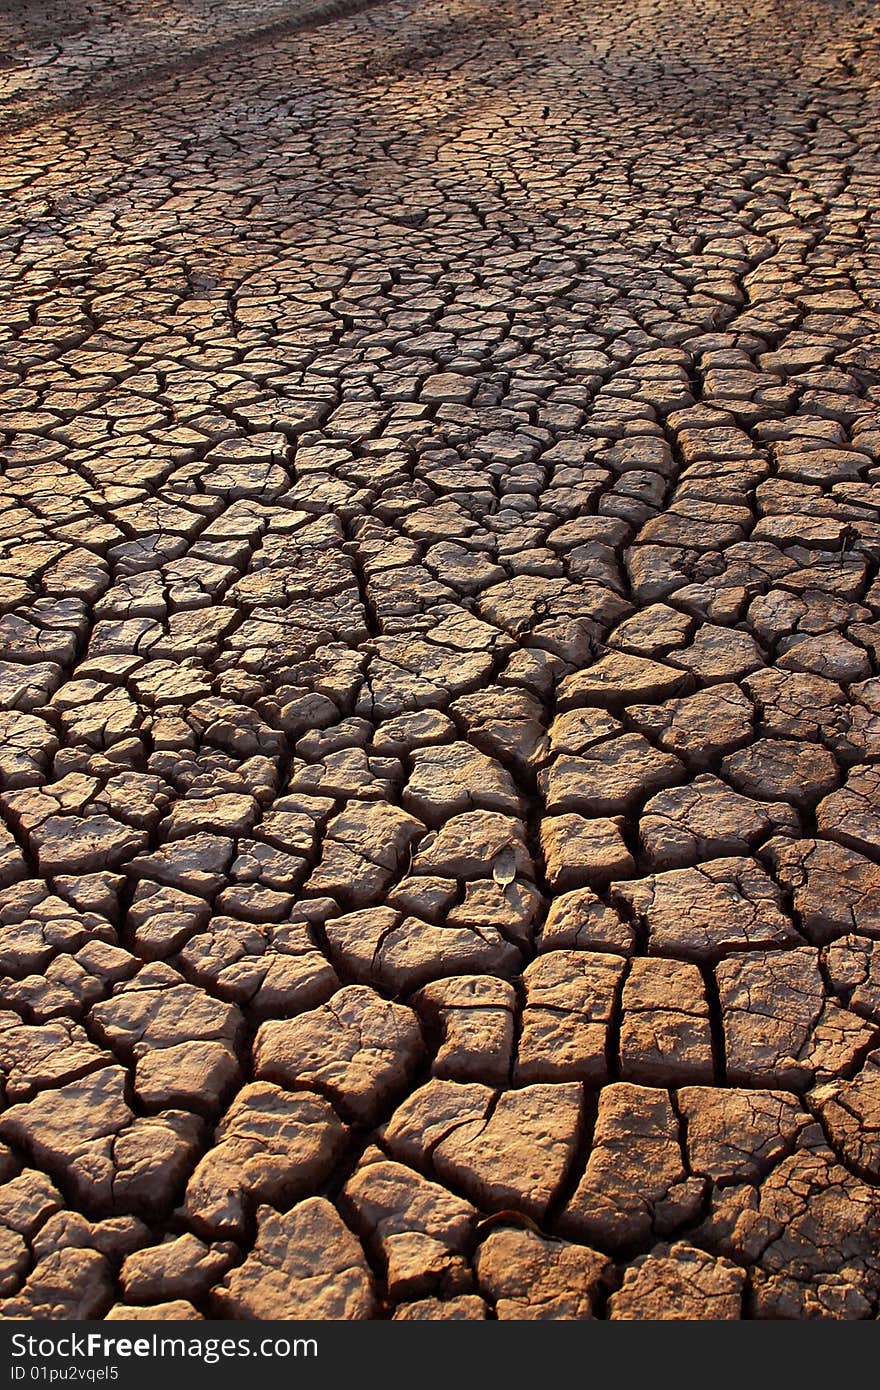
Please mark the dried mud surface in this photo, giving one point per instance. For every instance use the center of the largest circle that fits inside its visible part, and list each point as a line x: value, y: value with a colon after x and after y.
x: 439, y: 623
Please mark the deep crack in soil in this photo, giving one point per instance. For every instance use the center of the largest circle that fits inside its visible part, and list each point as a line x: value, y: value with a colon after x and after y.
x: 439, y: 624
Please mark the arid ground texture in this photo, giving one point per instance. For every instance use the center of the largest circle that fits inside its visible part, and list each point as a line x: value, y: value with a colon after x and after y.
x: 440, y: 839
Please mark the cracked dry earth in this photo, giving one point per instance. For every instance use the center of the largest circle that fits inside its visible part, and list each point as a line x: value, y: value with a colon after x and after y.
x: 440, y: 621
